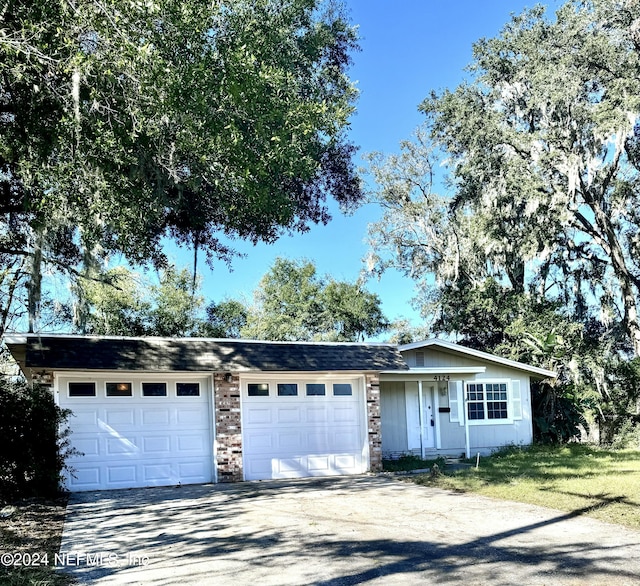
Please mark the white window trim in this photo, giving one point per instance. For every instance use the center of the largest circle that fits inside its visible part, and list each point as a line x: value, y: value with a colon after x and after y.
x: 154, y: 382
x: 301, y: 379
x: 511, y: 403
x: 119, y: 382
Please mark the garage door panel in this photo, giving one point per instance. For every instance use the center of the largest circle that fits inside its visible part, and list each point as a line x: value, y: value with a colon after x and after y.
x: 121, y: 474
x: 286, y: 415
x: 345, y: 462
x: 258, y: 415
x: 89, y: 446
x: 318, y: 441
x: 289, y: 440
x: 140, y: 441
x: 84, y: 419
x: 157, y: 473
x: 316, y: 414
x: 258, y: 468
x: 192, y: 417
x: 298, y: 436
x: 120, y: 418
x: 319, y: 463
x: 119, y: 445
x: 85, y: 478
x: 343, y: 440
x: 192, y: 471
x: 289, y: 467
x: 156, y: 446
x: 154, y: 417
x: 257, y: 442
x: 342, y: 414
x: 194, y: 444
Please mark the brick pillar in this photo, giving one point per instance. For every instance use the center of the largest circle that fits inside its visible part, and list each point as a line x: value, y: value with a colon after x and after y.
x: 228, y: 444
x: 372, y: 382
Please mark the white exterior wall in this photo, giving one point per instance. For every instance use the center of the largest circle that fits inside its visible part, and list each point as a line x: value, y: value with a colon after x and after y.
x: 484, y: 437
x: 393, y: 418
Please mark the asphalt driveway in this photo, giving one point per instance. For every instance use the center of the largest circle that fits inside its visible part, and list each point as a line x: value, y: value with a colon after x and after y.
x: 357, y: 530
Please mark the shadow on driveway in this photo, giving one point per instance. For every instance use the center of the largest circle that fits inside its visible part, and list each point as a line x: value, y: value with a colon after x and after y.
x: 356, y: 530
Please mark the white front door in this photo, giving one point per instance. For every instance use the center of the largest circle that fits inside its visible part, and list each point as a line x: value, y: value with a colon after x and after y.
x: 414, y: 415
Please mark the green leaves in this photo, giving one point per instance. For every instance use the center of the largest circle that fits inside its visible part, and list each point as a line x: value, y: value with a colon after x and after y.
x: 540, y: 150
x: 293, y: 303
x: 183, y: 119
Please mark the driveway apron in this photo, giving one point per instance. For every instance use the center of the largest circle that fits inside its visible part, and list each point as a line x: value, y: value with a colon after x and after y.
x: 331, y: 531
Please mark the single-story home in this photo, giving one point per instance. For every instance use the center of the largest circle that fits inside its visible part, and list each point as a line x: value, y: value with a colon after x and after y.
x: 165, y: 411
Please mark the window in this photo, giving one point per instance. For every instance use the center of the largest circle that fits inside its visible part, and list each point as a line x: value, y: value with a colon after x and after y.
x: 419, y: 359
x: 342, y: 389
x: 82, y: 389
x: 258, y: 389
x: 315, y: 390
x: 119, y: 390
x: 188, y: 389
x: 154, y: 389
x: 287, y: 389
x: 487, y: 401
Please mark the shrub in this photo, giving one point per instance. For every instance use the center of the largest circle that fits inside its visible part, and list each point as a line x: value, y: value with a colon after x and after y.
x: 558, y: 413
x: 627, y: 435
x: 34, y: 442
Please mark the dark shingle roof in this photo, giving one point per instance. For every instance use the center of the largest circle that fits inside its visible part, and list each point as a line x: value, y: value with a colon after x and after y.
x: 193, y: 354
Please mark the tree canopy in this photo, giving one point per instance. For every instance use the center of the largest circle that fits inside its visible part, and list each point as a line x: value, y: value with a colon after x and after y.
x: 125, y: 122
x: 123, y: 303
x: 515, y: 206
x: 541, y: 145
x: 293, y: 303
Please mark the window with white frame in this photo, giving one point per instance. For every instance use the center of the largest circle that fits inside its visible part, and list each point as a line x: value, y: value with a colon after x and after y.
x: 488, y: 402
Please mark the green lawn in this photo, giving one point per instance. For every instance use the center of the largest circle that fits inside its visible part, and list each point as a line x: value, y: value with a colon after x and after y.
x: 584, y: 480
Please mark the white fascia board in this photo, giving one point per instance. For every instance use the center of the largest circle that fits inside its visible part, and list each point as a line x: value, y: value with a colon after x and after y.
x: 434, y: 373
x: 436, y: 342
x: 15, y: 338
x: 438, y: 370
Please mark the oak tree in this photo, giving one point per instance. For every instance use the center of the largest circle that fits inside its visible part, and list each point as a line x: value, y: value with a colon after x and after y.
x: 123, y: 123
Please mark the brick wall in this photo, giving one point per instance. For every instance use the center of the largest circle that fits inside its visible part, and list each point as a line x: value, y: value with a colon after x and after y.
x: 228, y: 444
x: 372, y: 382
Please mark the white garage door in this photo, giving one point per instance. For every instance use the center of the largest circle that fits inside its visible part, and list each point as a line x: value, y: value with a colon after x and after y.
x: 136, y: 432
x: 300, y: 428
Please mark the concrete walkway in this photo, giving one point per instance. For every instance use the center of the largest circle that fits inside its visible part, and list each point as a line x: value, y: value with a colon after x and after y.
x: 358, y: 530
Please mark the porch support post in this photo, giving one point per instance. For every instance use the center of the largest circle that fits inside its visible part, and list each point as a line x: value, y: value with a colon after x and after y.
x: 467, y: 447
x: 421, y: 414
x: 436, y: 414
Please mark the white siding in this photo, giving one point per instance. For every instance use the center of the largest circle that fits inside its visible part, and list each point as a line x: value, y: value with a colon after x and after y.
x: 393, y: 418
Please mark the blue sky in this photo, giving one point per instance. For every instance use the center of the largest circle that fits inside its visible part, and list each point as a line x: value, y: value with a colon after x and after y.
x: 409, y: 47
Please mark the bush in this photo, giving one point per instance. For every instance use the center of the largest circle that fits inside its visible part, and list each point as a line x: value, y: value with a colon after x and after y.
x: 626, y: 435
x: 33, y: 441
x: 558, y: 413
x: 408, y: 462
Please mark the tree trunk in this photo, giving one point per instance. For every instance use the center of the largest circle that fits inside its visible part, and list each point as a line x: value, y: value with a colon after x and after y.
x: 34, y: 286
x: 624, y: 276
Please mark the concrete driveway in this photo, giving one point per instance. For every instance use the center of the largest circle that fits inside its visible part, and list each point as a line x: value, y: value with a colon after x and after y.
x: 357, y: 530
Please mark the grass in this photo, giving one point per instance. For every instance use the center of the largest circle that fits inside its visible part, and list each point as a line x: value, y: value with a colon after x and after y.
x: 28, y: 531
x: 584, y: 480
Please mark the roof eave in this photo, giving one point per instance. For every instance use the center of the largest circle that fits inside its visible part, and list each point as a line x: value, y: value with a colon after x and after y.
x: 541, y: 372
